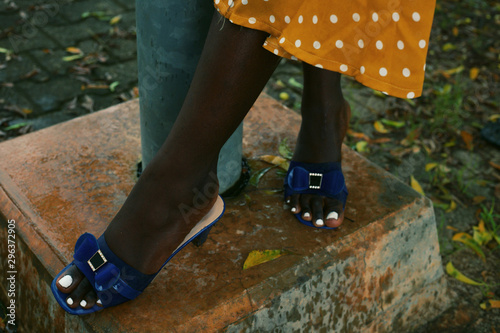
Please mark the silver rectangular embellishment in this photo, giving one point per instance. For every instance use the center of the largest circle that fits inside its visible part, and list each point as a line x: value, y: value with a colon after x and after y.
x: 315, y: 180
x: 97, y: 260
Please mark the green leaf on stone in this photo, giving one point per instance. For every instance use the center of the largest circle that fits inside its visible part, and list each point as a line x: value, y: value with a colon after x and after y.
x: 113, y: 85
x: 15, y: 126
x: 258, y: 257
x: 255, y: 179
x: 296, y: 84
x: 72, y: 57
x: 3, y: 50
x: 284, y: 150
x: 396, y: 124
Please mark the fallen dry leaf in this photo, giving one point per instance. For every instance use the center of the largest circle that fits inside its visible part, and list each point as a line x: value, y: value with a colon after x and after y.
x: 258, y: 257
x: 416, y: 186
x: 379, y: 127
x: 73, y: 50
x: 478, y: 199
x: 490, y: 304
x: 459, y: 276
x: 358, y: 135
x: 493, y: 164
x: 452, y: 207
x: 467, y: 239
x: 473, y: 73
x: 467, y: 137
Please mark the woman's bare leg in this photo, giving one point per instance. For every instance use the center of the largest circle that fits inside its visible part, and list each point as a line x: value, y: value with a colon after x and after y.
x: 325, y: 119
x: 179, y: 186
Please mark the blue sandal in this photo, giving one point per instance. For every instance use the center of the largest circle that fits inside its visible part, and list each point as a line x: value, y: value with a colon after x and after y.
x: 113, y: 280
x: 325, y: 179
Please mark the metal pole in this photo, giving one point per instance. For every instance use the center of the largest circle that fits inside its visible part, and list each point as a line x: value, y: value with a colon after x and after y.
x: 170, y: 38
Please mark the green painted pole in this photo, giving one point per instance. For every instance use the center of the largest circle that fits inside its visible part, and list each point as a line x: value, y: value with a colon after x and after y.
x: 170, y: 38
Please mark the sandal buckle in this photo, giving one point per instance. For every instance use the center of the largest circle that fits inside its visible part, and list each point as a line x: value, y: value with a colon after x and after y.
x: 97, y: 260
x: 315, y: 180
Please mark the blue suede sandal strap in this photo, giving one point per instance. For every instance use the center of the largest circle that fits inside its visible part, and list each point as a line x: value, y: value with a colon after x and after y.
x: 132, y: 282
x: 315, y: 178
x: 112, y: 272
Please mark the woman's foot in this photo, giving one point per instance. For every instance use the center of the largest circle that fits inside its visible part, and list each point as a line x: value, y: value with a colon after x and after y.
x: 154, y: 220
x: 325, y: 119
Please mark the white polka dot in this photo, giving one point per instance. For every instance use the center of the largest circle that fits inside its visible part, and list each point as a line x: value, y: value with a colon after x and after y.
x: 315, y: 19
x: 401, y: 45
x: 293, y: 58
x: 282, y: 40
x: 411, y: 94
x: 361, y: 44
x: 343, y: 68
x: 297, y: 43
x: 272, y: 19
x: 317, y: 45
x: 230, y: 2
x: 356, y: 17
x: 265, y: 43
x: 382, y: 71
x: 362, y: 69
x: 395, y: 17
x: 301, y: 19
x: 287, y: 19
x: 333, y: 18
x: 425, y: 65
x: 252, y: 20
x: 375, y: 17
x: 416, y: 16
x: 339, y: 44
x: 406, y: 72
x: 422, y: 43
x: 217, y: 2
x: 245, y: 2
x: 379, y: 44
x: 319, y: 66
x: 276, y: 51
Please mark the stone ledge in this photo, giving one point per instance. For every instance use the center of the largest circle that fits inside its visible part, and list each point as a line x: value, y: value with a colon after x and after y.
x: 380, y: 272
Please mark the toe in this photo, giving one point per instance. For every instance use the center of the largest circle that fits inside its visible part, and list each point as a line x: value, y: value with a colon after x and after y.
x: 295, y: 204
x: 89, y: 300
x: 83, y: 288
x: 334, y: 213
x: 305, y: 205
x: 68, y: 281
x: 317, y: 211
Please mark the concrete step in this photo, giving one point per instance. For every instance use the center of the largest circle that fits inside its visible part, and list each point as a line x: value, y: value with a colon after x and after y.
x: 381, y: 272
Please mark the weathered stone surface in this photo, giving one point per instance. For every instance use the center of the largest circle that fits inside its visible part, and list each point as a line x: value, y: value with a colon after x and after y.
x: 380, y: 272
x: 73, y: 11
x: 53, y: 61
x: 69, y: 35
x: 50, y: 95
x: 21, y: 66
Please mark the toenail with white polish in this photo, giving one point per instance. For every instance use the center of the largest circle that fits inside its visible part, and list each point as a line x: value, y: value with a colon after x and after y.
x: 99, y: 302
x: 288, y: 201
x: 294, y: 209
x: 307, y: 214
x: 69, y: 301
x: 320, y: 222
x: 83, y: 303
x: 66, y: 281
x: 333, y: 215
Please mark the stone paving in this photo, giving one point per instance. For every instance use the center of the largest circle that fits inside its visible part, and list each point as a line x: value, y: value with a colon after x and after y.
x: 39, y: 84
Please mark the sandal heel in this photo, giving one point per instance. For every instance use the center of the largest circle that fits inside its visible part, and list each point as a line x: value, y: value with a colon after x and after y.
x: 198, y: 241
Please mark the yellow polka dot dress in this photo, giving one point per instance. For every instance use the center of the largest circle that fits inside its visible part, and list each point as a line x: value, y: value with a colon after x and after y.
x: 381, y: 43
